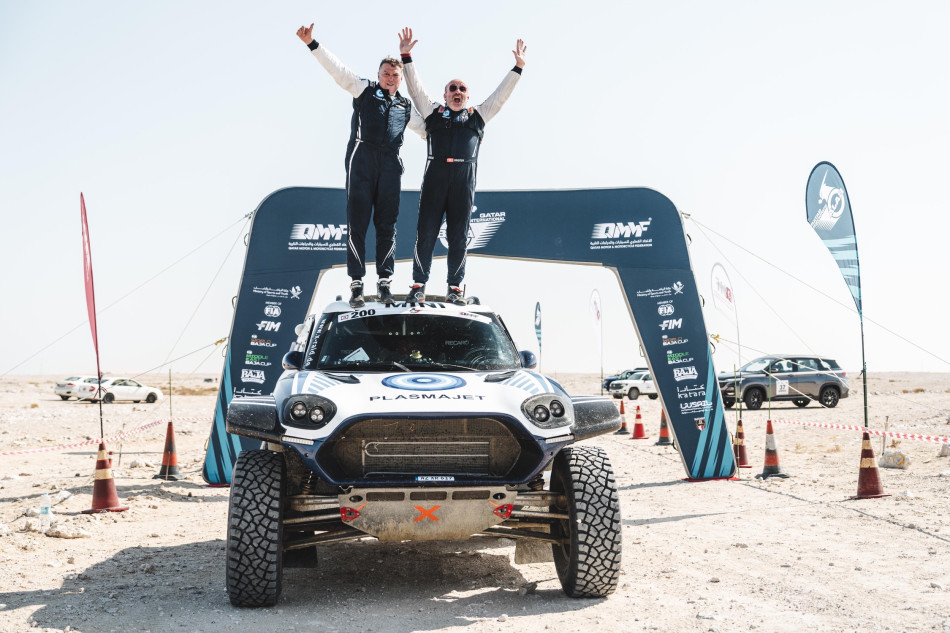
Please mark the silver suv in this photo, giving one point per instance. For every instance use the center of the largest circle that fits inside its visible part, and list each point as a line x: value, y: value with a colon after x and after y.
x: 800, y: 379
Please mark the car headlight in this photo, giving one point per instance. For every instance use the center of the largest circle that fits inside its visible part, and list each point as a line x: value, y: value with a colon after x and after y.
x: 548, y: 411
x: 307, y: 411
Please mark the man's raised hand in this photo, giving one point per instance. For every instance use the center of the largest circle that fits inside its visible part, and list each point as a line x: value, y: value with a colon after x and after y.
x: 406, y: 42
x: 305, y: 34
x: 521, y: 54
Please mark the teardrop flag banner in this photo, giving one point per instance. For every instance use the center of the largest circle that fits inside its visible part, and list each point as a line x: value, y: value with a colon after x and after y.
x: 537, y: 324
x: 90, y: 296
x: 828, y: 211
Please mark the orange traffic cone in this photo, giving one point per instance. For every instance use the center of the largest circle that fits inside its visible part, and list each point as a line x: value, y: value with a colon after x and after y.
x: 169, y: 470
x: 869, y: 480
x: 623, y: 422
x: 638, y: 431
x: 738, y: 447
x: 664, y: 431
x: 772, y: 467
x: 104, y: 497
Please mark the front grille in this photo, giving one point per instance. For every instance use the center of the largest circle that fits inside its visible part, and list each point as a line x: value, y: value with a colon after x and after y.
x: 474, y: 447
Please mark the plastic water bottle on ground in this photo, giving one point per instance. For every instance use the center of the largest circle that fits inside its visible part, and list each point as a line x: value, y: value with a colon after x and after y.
x: 46, y: 512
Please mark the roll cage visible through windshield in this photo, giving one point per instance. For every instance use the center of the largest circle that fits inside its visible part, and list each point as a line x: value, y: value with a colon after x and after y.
x: 367, y: 340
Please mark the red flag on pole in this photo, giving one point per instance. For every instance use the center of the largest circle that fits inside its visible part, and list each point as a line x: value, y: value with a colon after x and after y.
x: 90, y: 288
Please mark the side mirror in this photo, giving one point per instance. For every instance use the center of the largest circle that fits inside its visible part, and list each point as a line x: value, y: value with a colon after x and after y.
x: 293, y: 360
x: 528, y: 359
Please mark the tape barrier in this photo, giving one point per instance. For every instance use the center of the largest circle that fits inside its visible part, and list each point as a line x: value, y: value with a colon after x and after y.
x: 97, y: 441
x: 860, y: 429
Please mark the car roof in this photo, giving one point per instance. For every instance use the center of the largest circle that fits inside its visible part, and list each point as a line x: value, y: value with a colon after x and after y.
x: 400, y: 307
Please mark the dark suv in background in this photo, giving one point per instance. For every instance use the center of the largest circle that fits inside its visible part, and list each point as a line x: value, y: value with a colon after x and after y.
x: 798, y: 378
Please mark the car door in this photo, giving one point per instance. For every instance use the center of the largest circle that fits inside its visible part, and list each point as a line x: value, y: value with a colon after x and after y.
x: 136, y: 391
x: 780, y: 372
x: 806, y: 377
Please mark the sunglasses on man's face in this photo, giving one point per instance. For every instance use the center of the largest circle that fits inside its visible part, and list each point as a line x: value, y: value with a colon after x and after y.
x: 454, y: 87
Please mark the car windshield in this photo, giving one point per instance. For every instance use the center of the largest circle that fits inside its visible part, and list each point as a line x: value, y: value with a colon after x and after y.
x: 759, y: 364
x: 412, y: 342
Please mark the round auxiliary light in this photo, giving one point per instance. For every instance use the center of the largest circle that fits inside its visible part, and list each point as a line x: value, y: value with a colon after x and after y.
x: 557, y: 409
x: 541, y: 413
x: 299, y: 410
x: 317, y: 414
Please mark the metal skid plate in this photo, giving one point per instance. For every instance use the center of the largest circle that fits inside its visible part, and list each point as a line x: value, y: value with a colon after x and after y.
x: 425, y: 514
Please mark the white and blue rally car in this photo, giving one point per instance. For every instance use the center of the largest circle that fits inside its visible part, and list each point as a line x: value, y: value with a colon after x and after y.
x: 419, y: 421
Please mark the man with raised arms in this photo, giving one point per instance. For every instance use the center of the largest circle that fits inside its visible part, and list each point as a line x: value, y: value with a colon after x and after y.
x: 454, y: 132
x: 373, y: 167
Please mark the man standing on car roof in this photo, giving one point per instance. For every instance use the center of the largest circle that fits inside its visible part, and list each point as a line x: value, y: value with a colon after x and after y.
x: 454, y: 131
x: 373, y: 167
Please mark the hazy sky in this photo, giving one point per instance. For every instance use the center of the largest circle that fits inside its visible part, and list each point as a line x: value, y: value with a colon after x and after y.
x: 177, y: 118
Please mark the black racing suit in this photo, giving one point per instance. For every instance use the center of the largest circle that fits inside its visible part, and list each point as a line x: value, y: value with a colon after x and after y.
x: 373, y: 168
x: 448, y: 186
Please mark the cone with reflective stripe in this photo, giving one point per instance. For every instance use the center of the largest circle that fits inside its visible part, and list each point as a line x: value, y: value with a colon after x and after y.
x: 623, y: 422
x: 738, y: 447
x: 869, y: 479
x: 664, y: 431
x: 104, y: 496
x: 169, y: 470
x: 638, y: 431
x: 772, y: 467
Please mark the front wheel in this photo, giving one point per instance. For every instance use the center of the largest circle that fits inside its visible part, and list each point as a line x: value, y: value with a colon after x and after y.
x: 754, y: 398
x: 588, y: 562
x: 254, y: 566
x: 634, y: 393
x: 150, y: 398
x: 829, y: 397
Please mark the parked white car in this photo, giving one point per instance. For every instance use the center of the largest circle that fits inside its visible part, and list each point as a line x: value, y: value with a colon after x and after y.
x: 69, y: 387
x: 639, y: 384
x: 116, y: 389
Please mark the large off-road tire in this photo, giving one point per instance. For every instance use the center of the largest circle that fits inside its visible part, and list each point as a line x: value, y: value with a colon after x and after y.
x: 588, y: 566
x: 255, y: 532
x: 754, y: 398
x: 829, y: 396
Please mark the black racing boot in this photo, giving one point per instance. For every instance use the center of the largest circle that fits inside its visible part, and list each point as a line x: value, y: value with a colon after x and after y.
x: 383, y: 293
x: 417, y: 294
x: 455, y: 295
x: 356, y: 294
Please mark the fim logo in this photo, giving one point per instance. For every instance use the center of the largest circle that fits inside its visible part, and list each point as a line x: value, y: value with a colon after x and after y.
x: 620, y: 230
x: 671, y: 324
x: 685, y: 373
x: 268, y: 326
x: 252, y: 375
x: 480, y: 229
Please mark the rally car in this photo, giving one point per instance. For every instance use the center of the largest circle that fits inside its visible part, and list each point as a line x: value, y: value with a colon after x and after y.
x: 419, y: 421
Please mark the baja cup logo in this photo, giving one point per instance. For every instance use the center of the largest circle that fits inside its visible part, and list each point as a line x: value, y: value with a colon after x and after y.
x: 252, y: 375
x: 481, y: 228
x: 830, y: 205
x: 685, y: 373
x: 317, y: 237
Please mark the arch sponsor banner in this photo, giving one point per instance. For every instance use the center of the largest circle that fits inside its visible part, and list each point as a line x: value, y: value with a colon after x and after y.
x: 297, y: 233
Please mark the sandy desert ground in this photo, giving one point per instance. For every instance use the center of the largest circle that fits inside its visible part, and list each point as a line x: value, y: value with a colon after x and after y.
x: 792, y: 554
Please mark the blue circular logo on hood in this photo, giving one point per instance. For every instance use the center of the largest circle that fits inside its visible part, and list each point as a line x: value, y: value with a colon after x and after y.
x: 423, y: 382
